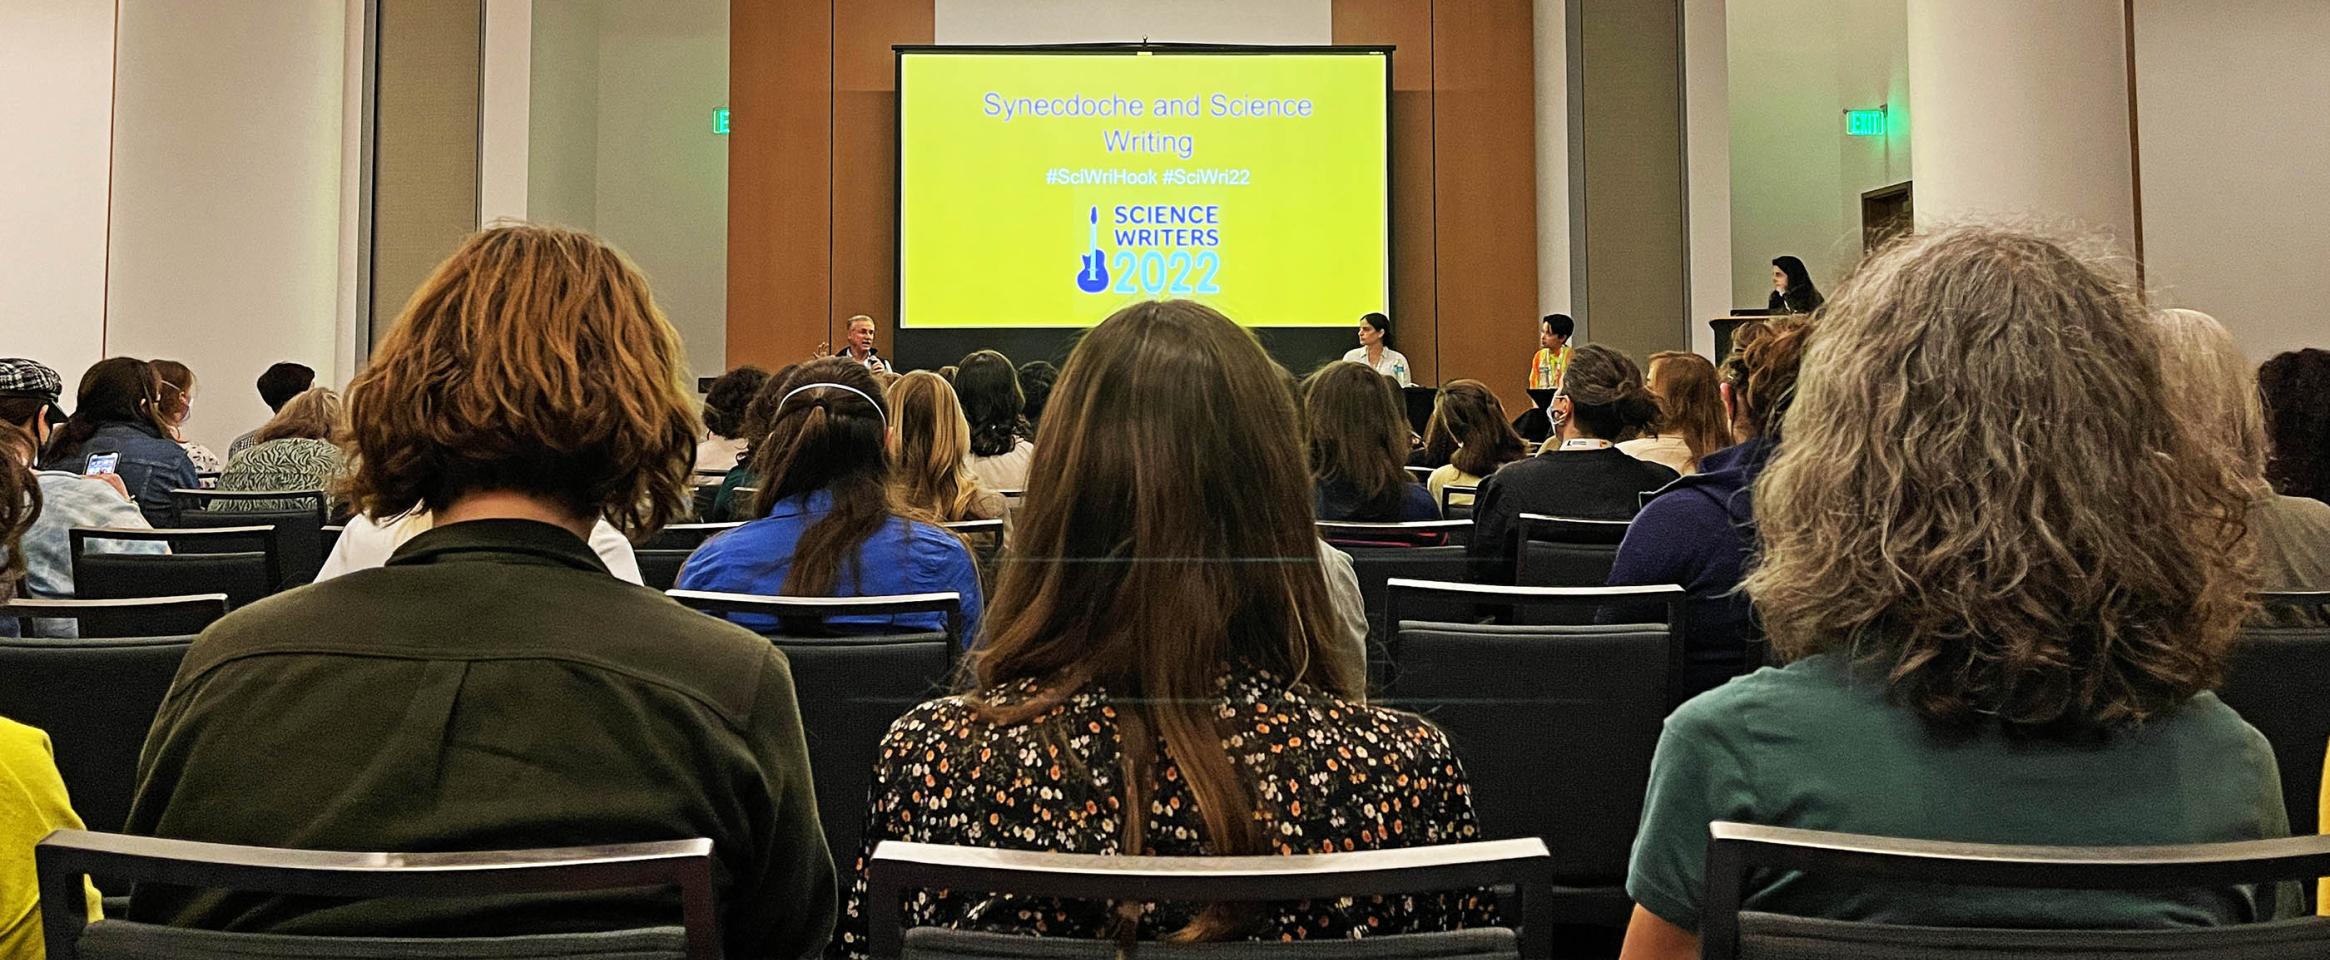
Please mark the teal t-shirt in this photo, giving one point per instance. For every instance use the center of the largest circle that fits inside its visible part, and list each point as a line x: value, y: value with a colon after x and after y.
x: 1810, y: 746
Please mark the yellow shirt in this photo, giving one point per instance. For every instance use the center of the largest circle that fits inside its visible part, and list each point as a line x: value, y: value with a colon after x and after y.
x: 1545, y: 372
x: 32, y: 803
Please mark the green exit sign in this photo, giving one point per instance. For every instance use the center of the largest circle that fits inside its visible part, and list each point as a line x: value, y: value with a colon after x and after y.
x: 1865, y: 123
x: 720, y: 121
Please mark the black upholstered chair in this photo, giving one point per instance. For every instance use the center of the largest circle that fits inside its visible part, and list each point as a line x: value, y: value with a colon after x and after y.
x: 245, y: 563
x: 96, y: 699
x: 1565, y: 551
x: 298, y: 517
x: 898, y: 867
x: 1555, y: 724
x: 138, y: 617
x: 65, y: 858
x: 2277, y: 678
x: 1729, y: 931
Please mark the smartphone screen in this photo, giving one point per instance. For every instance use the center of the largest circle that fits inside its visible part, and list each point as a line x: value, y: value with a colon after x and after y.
x: 102, y: 463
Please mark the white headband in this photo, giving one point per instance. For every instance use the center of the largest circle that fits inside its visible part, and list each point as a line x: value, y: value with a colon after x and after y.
x: 790, y: 394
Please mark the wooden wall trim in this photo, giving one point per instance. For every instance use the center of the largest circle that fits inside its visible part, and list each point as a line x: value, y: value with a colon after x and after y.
x: 780, y: 157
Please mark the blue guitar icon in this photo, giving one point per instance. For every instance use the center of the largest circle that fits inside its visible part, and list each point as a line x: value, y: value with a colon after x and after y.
x: 1092, y: 268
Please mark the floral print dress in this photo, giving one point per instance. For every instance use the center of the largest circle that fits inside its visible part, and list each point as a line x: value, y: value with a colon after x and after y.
x: 1332, y: 776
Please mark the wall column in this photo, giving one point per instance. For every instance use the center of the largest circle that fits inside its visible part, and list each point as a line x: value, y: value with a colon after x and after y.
x: 2020, y: 109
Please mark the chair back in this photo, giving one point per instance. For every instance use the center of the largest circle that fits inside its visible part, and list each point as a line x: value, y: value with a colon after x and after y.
x: 1728, y: 931
x: 686, y: 537
x: 660, y: 569
x: 1419, y: 474
x: 298, y: 517
x: 96, y: 699
x: 2275, y: 679
x: 850, y: 688
x: 66, y: 858
x: 897, y: 867
x: 1565, y: 551
x: 1382, y: 551
x: 1555, y: 724
x: 100, y: 619
x: 245, y: 563
x: 1450, y: 509
x: 986, y: 540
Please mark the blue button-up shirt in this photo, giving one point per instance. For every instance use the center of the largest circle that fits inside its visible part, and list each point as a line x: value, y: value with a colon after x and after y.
x: 902, y: 557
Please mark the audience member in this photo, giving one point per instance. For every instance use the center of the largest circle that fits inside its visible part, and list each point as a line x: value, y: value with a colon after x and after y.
x: 2296, y: 389
x: 178, y: 404
x: 1691, y: 423
x: 731, y: 503
x: 930, y: 449
x: 829, y: 523
x: 1470, y: 424
x: 1375, y: 352
x: 297, y: 450
x: 724, y: 441
x: 1997, y: 575
x: 1035, y: 381
x: 989, y: 390
x: 1359, y: 448
x: 2215, y: 386
x: 277, y: 385
x: 1699, y: 532
x: 1792, y: 289
x: 28, y: 392
x: 493, y: 687
x: 1240, y: 732
x: 119, y: 411
x: 1580, y: 474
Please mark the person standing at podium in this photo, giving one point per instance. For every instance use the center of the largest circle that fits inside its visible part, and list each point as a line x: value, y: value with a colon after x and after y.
x: 1374, y: 329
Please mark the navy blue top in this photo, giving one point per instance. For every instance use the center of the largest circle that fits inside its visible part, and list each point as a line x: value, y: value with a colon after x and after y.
x: 151, y: 466
x: 1336, y: 500
x: 1698, y: 533
x: 901, y: 557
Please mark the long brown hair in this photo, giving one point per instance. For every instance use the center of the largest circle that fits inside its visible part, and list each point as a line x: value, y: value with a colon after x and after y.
x: 20, y: 504
x: 930, y: 447
x: 825, y: 438
x: 1125, y: 532
x: 1358, y: 434
x: 177, y: 390
x: 114, y: 390
x: 1469, y: 419
x: 533, y: 360
x: 1980, y: 501
x: 1690, y: 404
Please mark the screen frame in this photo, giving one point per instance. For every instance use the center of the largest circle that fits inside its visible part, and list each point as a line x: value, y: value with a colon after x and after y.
x: 899, y: 53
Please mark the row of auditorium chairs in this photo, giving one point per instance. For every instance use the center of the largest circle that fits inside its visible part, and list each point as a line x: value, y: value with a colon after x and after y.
x: 1592, y: 697
x: 1523, y: 868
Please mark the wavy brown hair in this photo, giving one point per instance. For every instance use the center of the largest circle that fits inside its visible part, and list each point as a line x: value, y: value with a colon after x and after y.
x: 533, y: 360
x: 177, y: 390
x: 1762, y: 374
x: 20, y: 503
x: 1979, y: 502
x: 1125, y: 532
x: 930, y: 447
x: 1358, y: 434
x: 316, y: 414
x: 112, y: 390
x: 1607, y: 395
x: 1690, y: 404
x: 1468, y: 428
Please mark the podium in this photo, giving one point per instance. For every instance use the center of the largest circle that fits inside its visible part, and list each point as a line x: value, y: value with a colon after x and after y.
x: 1724, y: 327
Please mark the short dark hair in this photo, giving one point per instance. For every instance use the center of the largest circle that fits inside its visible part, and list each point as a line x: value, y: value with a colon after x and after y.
x: 284, y: 381
x: 1560, y: 323
x: 1378, y: 321
x: 724, y: 404
x: 2295, y: 386
x: 1035, y: 382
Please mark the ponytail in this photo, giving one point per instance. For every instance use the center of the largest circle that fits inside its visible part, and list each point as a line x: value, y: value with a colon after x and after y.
x: 826, y: 436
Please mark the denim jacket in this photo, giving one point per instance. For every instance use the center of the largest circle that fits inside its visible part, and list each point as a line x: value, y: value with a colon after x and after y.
x: 151, y: 466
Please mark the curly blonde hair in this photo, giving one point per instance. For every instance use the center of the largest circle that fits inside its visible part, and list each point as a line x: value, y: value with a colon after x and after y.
x: 1979, y: 500
x: 534, y: 360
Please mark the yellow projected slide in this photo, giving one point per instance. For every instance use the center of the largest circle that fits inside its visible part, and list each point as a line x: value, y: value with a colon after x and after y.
x: 1049, y: 189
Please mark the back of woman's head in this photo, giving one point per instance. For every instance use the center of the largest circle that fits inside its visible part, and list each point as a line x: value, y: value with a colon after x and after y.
x: 534, y: 360
x: 113, y: 390
x: 1690, y: 404
x: 177, y: 389
x: 929, y: 445
x: 1036, y: 378
x: 313, y: 415
x: 1979, y: 501
x: 1161, y: 544
x: 724, y: 403
x: 826, y: 437
x: 1607, y: 396
x: 2295, y: 387
x: 20, y: 504
x: 2215, y: 393
x: 1358, y: 434
x: 1468, y: 413
x: 1762, y: 374
x: 989, y: 388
